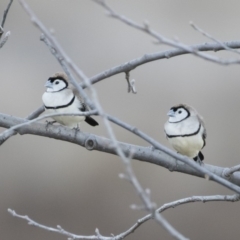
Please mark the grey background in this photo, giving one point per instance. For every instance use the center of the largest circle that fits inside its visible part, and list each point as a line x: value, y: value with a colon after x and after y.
x: 56, y: 182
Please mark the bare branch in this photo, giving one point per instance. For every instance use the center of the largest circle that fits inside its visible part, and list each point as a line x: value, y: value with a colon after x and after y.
x: 5, y: 13
x: 104, y: 145
x: 129, y: 66
x: 131, y: 83
x: 213, y: 39
x: 162, y: 39
x: 14, y: 128
x: 60, y: 230
x: 4, y: 40
x: 66, y: 62
x: 36, y: 113
x: 79, y: 73
x: 4, y: 136
x: 230, y: 171
x: 60, y: 54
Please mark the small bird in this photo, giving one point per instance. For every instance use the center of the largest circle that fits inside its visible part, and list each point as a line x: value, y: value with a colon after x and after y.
x: 185, y: 130
x: 62, y: 97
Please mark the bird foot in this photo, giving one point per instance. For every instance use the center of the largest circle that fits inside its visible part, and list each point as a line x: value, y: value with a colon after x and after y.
x: 198, y: 160
x: 152, y: 148
x: 77, y: 129
x: 49, y: 123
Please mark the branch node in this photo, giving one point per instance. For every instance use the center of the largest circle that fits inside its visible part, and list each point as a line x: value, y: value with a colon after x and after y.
x: 127, y: 75
x: 167, y: 55
x: 123, y: 176
x: 146, y: 25
x: 148, y: 191
x: 90, y: 143
x: 207, y: 177
x: 137, y: 207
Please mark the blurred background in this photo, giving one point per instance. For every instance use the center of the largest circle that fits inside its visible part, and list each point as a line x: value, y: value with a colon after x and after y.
x: 55, y: 182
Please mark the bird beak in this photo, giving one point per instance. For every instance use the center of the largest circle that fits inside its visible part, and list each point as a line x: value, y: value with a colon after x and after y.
x: 48, y: 84
x: 171, y: 113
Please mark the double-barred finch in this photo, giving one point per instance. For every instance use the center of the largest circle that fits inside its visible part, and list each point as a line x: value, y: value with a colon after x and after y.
x: 185, y: 130
x: 62, y: 97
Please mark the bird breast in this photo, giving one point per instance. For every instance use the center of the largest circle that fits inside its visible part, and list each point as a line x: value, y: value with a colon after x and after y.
x: 185, y: 127
x: 55, y: 99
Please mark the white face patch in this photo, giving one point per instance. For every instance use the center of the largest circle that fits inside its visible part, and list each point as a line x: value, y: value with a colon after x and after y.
x: 55, y: 85
x: 177, y: 115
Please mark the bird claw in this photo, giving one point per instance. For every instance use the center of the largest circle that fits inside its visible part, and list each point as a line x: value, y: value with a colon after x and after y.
x: 77, y: 129
x: 152, y: 148
x: 198, y: 160
x: 49, y: 123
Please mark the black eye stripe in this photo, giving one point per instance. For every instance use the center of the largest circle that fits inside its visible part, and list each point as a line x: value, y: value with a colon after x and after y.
x: 52, y: 79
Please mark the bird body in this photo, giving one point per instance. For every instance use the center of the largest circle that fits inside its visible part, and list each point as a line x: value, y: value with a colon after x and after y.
x: 61, y: 97
x: 185, y: 130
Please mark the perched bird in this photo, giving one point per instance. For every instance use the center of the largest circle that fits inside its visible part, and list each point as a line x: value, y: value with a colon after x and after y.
x: 185, y: 130
x: 62, y: 97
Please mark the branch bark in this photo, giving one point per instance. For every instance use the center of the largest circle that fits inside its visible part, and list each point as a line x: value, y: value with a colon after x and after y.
x: 102, y: 144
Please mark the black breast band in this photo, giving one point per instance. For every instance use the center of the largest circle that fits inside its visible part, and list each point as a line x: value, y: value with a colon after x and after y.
x: 185, y: 135
x: 61, y: 106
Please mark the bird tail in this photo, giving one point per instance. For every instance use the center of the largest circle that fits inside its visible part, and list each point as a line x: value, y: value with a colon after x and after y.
x: 199, y: 157
x: 91, y: 121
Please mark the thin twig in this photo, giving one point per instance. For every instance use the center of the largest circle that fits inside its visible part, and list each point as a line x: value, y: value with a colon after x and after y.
x: 139, y: 222
x: 4, y: 136
x: 80, y: 74
x: 231, y: 170
x: 14, y: 128
x: 69, y: 64
x: 222, y: 44
x: 4, y: 40
x: 6, y: 13
x: 60, y: 54
x: 162, y: 39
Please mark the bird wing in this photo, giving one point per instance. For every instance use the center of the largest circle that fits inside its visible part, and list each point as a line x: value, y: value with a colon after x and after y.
x: 204, y: 134
x: 83, y: 107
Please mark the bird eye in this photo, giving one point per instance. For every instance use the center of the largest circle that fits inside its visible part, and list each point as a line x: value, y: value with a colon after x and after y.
x: 180, y: 112
x: 57, y: 82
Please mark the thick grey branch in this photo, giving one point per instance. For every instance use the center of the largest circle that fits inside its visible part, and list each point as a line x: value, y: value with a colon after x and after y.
x: 201, y: 169
x: 93, y: 142
x: 66, y: 62
x: 7, y: 134
x: 130, y: 65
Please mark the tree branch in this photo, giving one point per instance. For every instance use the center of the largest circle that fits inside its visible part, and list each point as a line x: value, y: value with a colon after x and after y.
x: 6, y: 13
x: 222, y: 44
x: 4, y: 40
x: 230, y: 171
x: 162, y: 39
x: 66, y: 62
x: 132, y: 64
x: 60, y: 230
x: 55, y: 45
x: 94, y: 142
x: 4, y: 136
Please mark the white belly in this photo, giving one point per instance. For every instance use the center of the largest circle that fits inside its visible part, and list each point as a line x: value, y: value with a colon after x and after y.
x: 70, y: 121
x: 63, y: 98
x: 188, y: 146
